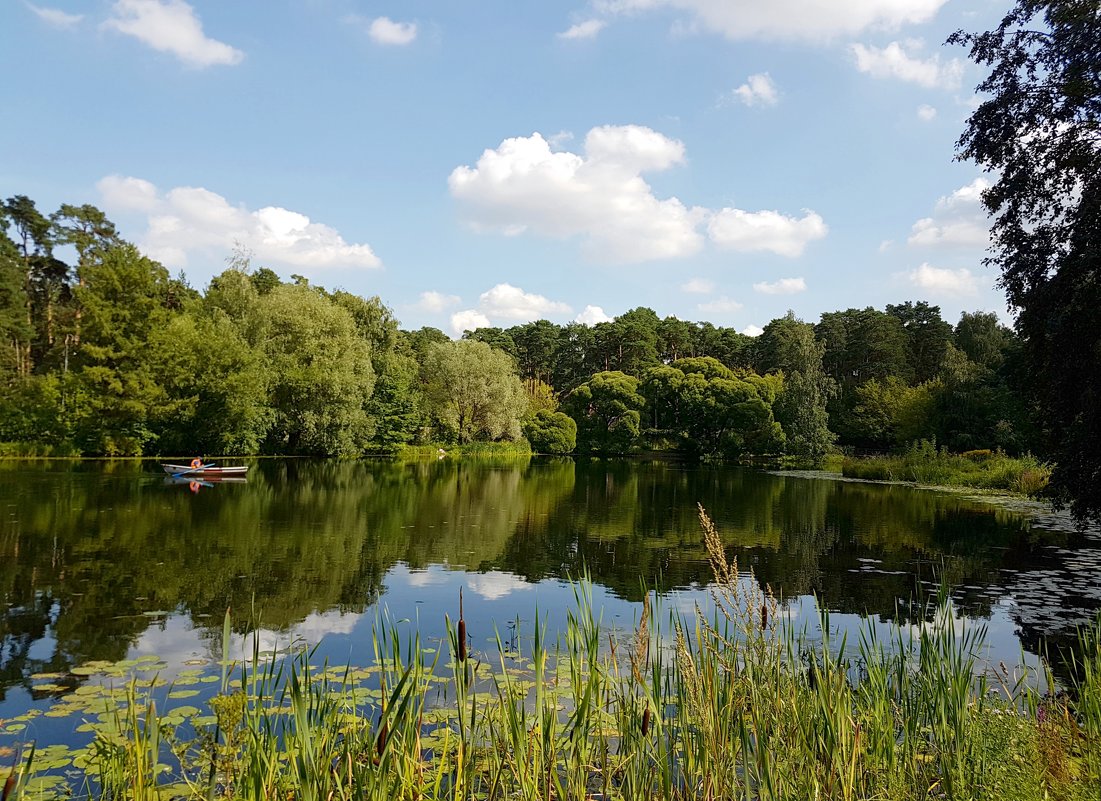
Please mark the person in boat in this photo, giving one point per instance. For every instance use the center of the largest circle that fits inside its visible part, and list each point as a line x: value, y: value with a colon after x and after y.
x: 196, y: 463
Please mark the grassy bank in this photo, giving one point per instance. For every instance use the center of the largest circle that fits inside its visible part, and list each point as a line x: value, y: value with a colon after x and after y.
x: 472, y: 449
x: 923, y: 463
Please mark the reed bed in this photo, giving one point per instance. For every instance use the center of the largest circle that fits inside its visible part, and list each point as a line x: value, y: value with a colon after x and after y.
x: 732, y: 703
x: 923, y: 463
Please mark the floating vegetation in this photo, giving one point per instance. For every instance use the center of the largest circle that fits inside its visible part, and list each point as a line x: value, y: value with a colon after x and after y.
x: 731, y: 704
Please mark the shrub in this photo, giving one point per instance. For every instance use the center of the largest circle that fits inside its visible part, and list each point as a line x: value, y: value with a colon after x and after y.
x: 551, y: 432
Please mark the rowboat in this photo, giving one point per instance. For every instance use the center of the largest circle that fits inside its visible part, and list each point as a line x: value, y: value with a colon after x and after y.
x: 204, y: 471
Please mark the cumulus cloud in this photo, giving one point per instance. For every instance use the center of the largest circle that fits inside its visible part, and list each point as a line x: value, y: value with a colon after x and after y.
x: 698, y: 286
x: 508, y: 302
x: 758, y: 90
x: 591, y: 315
x: 192, y: 220
x: 785, y: 286
x: 171, y: 26
x: 765, y: 230
x: 721, y: 305
x: 468, y: 320
x: 813, y: 20
x: 926, y: 113
x: 944, y: 281
x: 386, y: 31
x: 55, y: 17
x: 505, y: 303
x: 958, y: 220
x: 898, y: 60
x: 601, y: 197
x: 433, y: 301
x: 584, y: 30
x: 753, y: 330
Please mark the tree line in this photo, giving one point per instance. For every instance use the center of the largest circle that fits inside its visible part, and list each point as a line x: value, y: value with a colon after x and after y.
x: 107, y: 354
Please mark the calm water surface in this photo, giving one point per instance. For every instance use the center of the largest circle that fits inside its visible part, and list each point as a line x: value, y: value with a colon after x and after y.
x: 110, y: 562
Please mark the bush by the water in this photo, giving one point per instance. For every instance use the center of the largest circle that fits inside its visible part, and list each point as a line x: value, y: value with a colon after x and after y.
x: 551, y: 432
x: 924, y: 463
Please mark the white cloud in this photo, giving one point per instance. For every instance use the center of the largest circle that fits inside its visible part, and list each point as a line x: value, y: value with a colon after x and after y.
x: 55, y: 17
x: 958, y: 220
x: 758, y: 90
x: 893, y: 61
x: 753, y: 330
x: 721, y: 305
x: 433, y: 301
x: 944, y: 281
x: 785, y: 286
x: 503, y: 303
x: 814, y: 20
x: 386, y: 31
x: 698, y: 286
x: 765, y: 230
x: 592, y: 315
x: 600, y: 196
x: 171, y: 26
x: 926, y: 113
x: 468, y: 320
x: 584, y: 30
x: 193, y: 220
x: 508, y: 302
x: 886, y: 245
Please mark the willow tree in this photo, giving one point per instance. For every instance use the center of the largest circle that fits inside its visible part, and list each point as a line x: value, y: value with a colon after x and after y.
x: 473, y: 391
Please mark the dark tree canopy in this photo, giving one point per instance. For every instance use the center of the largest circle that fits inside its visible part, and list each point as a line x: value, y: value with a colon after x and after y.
x: 1039, y: 133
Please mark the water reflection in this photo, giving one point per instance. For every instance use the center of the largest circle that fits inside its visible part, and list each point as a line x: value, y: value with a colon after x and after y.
x: 99, y: 559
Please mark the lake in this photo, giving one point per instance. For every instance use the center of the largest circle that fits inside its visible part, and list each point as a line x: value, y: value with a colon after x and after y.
x: 102, y: 562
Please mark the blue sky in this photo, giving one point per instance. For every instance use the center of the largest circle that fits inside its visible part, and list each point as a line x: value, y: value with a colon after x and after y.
x: 494, y: 162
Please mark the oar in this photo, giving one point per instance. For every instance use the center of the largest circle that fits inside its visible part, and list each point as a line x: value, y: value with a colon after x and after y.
x: 193, y: 469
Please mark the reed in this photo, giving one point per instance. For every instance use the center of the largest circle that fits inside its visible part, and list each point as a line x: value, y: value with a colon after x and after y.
x: 732, y: 703
x: 923, y: 463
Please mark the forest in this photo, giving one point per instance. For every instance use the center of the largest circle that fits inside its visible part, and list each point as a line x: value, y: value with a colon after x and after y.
x: 104, y: 353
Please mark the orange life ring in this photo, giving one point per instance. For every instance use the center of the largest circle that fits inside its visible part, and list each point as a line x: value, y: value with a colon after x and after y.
x: 196, y: 463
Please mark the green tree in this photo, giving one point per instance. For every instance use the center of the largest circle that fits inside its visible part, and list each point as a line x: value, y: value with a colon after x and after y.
x: 789, y: 345
x: 551, y: 432
x: 927, y: 337
x: 322, y: 376
x: 606, y: 409
x: 983, y: 339
x: 126, y: 300
x: 473, y: 391
x: 1036, y: 132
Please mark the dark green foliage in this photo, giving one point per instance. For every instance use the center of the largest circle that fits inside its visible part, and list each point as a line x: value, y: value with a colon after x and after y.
x: 606, y: 409
x: 927, y: 337
x: 1037, y: 133
x: 551, y: 432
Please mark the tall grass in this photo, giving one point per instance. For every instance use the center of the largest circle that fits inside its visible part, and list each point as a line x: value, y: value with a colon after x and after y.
x: 923, y: 463
x: 734, y: 703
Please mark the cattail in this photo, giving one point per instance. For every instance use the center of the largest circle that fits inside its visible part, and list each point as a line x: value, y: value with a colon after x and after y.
x: 9, y: 786
x: 462, y: 629
x: 646, y: 721
x: 764, y: 615
x: 383, y: 734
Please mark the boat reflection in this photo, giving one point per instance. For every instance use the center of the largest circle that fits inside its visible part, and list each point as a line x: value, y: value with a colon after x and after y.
x: 195, y: 484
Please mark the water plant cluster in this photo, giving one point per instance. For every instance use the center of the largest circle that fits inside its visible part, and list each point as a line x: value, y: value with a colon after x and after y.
x: 924, y: 463
x: 729, y: 703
